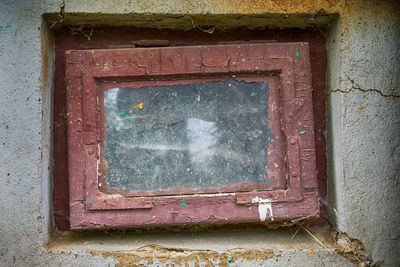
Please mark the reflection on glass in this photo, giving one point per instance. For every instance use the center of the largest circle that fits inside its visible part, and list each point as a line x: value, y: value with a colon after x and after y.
x: 202, y: 135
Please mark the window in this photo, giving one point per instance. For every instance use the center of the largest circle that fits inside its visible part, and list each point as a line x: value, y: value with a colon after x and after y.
x: 190, y: 135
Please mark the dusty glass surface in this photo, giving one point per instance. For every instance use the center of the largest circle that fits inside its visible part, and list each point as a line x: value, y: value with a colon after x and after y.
x: 202, y: 135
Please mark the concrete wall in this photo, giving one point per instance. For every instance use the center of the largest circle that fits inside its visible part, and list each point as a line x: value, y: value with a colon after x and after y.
x: 363, y: 133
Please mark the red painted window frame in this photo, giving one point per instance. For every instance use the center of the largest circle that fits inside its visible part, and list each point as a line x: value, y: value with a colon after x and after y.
x: 90, y: 208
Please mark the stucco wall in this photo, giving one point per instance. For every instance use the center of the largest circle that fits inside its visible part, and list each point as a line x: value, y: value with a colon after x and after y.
x: 363, y: 121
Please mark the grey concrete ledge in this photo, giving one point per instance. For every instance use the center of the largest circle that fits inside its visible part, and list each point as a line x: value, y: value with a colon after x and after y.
x: 216, y: 240
x: 255, y: 247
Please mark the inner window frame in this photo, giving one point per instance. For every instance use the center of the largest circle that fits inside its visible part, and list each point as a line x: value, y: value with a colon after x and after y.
x: 276, y: 176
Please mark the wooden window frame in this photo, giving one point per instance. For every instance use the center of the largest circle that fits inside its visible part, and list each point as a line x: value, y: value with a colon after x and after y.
x: 90, y: 208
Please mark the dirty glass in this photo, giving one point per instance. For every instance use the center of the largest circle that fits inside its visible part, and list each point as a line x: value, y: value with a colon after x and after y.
x: 199, y: 135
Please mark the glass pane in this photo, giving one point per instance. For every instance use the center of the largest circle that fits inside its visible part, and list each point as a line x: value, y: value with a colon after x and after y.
x: 198, y: 136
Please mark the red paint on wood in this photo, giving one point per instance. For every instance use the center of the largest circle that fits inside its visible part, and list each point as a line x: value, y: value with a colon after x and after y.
x: 100, y: 208
x: 104, y: 37
x: 194, y: 212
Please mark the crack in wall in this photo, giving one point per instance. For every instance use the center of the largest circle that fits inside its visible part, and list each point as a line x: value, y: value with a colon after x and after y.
x: 61, y: 15
x: 355, y: 86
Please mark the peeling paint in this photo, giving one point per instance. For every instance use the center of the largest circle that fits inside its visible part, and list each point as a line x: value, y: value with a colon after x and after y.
x: 264, y: 205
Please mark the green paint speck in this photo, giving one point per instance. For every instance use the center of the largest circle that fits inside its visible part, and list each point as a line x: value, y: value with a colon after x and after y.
x: 298, y: 53
x: 129, y: 119
x: 303, y: 132
x: 4, y: 144
x: 39, y: 132
x: 184, y: 203
x: 90, y: 202
x: 127, y: 134
x: 8, y: 174
x: 90, y: 107
x: 27, y: 98
x: 39, y: 100
x: 229, y: 259
x: 122, y: 113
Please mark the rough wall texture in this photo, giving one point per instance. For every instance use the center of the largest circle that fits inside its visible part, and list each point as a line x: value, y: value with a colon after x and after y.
x: 364, y: 114
x: 364, y: 132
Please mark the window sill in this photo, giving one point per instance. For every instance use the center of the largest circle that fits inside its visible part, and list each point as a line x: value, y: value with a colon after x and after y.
x: 220, y: 241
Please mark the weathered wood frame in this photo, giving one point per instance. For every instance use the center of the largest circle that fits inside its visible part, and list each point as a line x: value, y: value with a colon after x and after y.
x: 92, y: 208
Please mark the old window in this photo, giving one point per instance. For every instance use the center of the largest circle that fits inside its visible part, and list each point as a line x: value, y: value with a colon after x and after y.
x: 190, y: 135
